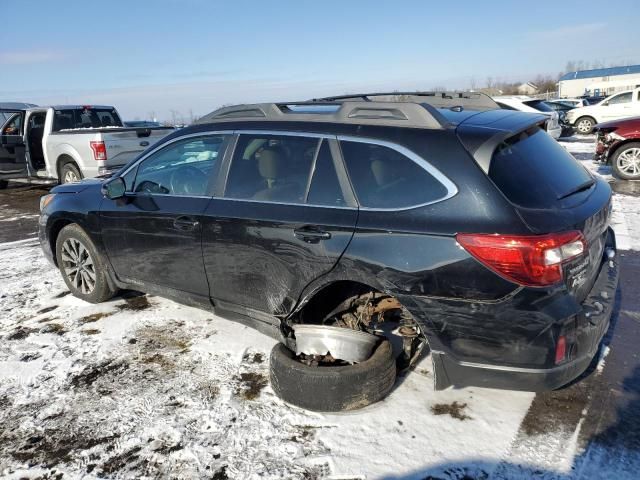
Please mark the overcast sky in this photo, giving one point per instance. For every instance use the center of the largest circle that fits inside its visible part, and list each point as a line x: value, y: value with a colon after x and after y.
x: 155, y: 57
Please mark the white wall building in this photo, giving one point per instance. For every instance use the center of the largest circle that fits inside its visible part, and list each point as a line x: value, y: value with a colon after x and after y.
x: 601, y: 81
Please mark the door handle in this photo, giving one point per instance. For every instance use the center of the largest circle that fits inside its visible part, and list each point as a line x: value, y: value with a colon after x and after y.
x: 185, y: 223
x: 311, y: 235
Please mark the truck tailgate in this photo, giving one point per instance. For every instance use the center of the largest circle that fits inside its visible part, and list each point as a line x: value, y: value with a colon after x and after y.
x: 124, y: 144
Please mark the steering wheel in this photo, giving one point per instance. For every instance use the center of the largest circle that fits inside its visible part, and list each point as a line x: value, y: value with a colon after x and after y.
x: 188, y: 180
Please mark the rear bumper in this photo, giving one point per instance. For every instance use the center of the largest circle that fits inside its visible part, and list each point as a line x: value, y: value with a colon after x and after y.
x: 593, y: 321
x: 555, y: 132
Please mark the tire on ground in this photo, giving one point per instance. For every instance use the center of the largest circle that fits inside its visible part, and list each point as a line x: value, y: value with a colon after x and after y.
x: 332, y: 389
x: 69, y: 166
x: 102, y: 290
x: 614, y: 161
x: 582, y: 129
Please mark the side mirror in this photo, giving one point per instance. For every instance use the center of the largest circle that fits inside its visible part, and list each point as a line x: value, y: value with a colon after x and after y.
x: 114, y: 188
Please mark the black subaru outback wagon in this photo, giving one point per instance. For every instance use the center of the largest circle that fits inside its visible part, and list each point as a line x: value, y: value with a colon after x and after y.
x: 433, y: 220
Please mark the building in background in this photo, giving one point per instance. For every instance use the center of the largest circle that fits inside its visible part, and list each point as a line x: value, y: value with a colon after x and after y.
x: 601, y: 81
x: 527, y: 89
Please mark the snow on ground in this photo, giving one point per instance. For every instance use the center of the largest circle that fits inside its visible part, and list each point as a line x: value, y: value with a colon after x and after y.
x: 141, y: 387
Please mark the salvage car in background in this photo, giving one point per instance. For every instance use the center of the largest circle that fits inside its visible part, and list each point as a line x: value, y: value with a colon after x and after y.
x: 69, y: 142
x: 621, y: 105
x: 329, y: 222
x: 523, y: 103
x: 618, y: 144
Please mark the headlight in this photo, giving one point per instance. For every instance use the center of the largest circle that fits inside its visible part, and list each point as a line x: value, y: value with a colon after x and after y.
x: 46, y: 200
x: 611, y: 136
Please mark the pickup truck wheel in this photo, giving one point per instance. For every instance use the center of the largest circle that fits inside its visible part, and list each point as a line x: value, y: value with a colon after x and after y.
x: 626, y: 162
x: 329, y: 388
x: 584, y: 125
x: 82, y: 267
x: 3, y: 184
x: 70, y: 173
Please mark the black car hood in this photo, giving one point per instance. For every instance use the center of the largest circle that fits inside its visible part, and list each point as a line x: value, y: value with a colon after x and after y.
x: 78, y: 186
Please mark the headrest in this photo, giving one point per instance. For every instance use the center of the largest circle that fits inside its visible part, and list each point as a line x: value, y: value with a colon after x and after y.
x: 270, y: 163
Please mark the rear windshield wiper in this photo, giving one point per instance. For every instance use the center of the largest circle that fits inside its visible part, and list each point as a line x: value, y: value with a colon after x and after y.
x: 580, y: 188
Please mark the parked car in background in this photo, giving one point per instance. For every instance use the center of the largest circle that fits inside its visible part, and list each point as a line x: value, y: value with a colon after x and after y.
x: 562, y: 109
x: 528, y: 104
x: 69, y: 142
x: 142, y: 123
x: 618, y: 144
x: 438, y: 222
x: 621, y: 105
x: 572, y: 102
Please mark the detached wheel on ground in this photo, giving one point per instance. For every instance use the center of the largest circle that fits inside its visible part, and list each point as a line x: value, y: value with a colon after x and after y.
x: 69, y: 172
x: 584, y: 125
x: 329, y: 388
x: 626, y: 162
x: 83, y: 268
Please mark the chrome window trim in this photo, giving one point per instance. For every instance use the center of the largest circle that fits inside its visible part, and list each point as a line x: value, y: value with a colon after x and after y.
x: 451, y: 187
x: 172, y: 141
x: 271, y: 202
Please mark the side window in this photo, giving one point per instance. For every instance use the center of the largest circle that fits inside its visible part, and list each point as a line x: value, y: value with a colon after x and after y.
x: 622, y: 98
x: 184, y: 168
x: 272, y: 168
x: 13, y: 126
x: 325, y: 186
x: 384, y: 178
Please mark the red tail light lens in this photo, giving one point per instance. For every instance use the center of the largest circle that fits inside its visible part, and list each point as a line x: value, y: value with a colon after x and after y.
x: 534, y: 260
x: 99, y: 150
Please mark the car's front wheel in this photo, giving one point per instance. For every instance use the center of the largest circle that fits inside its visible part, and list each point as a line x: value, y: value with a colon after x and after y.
x: 83, y: 268
x: 626, y: 162
x: 584, y: 125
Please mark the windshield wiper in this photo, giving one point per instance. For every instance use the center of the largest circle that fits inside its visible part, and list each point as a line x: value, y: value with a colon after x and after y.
x: 580, y: 188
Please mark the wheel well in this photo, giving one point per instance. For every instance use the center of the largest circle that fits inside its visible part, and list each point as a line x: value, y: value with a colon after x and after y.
x: 62, y: 159
x: 586, y: 116
x: 327, y: 298
x: 54, y: 231
x: 621, y: 145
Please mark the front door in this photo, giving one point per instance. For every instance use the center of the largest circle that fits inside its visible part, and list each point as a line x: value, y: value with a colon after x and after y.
x: 153, y: 235
x: 13, y: 160
x: 286, y: 217
x: 618, y: 106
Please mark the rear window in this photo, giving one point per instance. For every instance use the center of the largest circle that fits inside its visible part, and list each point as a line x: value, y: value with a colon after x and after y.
x: 539, y: 105
x: 66, y: 119
x: 533, y: 171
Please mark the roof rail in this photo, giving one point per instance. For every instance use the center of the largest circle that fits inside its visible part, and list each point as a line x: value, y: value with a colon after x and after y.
x: 360, y: 112
x: 451, y: 100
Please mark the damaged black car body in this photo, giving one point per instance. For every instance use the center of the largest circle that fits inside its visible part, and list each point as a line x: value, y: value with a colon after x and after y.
x: 494, y: 242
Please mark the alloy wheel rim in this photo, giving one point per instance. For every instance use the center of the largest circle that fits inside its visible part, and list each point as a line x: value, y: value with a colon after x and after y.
x: 629, y: 162
x: 584, y: 126
x: 70, y: 177
x: 78, y: 266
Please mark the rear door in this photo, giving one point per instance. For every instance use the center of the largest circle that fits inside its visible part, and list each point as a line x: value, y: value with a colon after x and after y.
x: 286, y: 217
x: 13, y: 160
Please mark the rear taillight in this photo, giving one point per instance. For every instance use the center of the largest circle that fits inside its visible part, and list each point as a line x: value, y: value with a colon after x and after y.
x: 532, y: 260
x: 99, y: 150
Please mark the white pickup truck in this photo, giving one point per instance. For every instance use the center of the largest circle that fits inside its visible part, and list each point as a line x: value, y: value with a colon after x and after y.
x: 68, y: 143
x: 620, y: 105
